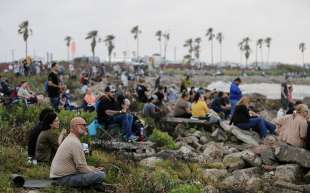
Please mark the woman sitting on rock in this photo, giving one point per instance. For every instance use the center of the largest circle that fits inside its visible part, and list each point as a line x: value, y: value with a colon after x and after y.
x: 199, y: 107
x: 47, y: 142
x: 246, y: 119
x: 292, y: 129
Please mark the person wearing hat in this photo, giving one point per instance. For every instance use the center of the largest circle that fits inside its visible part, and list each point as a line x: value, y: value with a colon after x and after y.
x: 235, y: 94
x: 69, y: 166
x: 292, y: 129
x: 150, y: 109
x: 110, y: 111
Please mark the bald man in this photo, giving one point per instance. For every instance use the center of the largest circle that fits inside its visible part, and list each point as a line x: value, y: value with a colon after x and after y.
x: 69, y: 166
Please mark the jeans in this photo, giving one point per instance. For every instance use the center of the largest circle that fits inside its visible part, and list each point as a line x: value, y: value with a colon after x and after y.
x: 55, y: 102
x: 259, y: 124
x: 233, y: 104
x: 126, y: 121
x: 82, y: 180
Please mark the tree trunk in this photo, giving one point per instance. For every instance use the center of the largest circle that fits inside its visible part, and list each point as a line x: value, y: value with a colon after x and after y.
x: 165, y: 52
x: 160, y: 48
x: 256, y: 62
x: 212, y: 61
x: 262, y: 55
x: 26, y: 43
x: 303, y: 60
x: 268, y: 55
x: 221, y: 53
x: 241, y: 56
x: 138, y: 47
x: 110, y: 59
x: 68, y: 54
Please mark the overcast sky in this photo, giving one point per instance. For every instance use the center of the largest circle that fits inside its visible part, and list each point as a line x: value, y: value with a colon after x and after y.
x: 286, y: 21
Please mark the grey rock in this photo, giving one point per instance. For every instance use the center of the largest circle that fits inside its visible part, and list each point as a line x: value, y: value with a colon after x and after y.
x: 245, y: 174
x: 288, y: 173
x: 211, y: 189
x: 291, y: 154
x: 185, y: 150
x: 213, y: 152
x: 203, y: 140
x: 234, y: 161
x: 254, y: 184
x: 219, y: 135
x: 241, y: 177
x: 307, y: 178
x: 214, y: 175
x: 150, y: 162
x: 250, y: 158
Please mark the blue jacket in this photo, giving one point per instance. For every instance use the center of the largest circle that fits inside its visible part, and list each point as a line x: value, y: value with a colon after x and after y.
x: 235, y: 92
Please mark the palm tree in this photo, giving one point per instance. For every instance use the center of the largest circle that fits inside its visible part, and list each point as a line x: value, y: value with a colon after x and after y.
x: 24, y: 30
x: 197, y: 49
x: 211, y: 36
x: 125, y: 55
x: 219, y: 38
x: 68, y: 40
x: 159, y: 35
x: 247, y: 49
x: 166, y: 40
x: 268, y: 42
x: 259, y: 44
x: 302, y: 48
x: 189, y: 44
x: 93, y: 36
x: 136, y: 31
x: 241, y: 47
x: 110, y: 45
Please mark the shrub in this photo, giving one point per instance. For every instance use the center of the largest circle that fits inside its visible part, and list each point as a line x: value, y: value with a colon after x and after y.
x: 187, y: 188
x: 163, y: 139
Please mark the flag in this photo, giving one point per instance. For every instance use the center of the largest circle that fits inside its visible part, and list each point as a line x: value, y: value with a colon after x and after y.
x: 72, y: 48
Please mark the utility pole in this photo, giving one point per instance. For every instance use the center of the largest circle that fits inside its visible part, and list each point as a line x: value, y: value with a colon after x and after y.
x: 13, y: 55
x: 175, y: 53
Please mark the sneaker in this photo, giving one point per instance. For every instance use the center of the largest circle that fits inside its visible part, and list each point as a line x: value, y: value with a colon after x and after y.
x: 132, y: 138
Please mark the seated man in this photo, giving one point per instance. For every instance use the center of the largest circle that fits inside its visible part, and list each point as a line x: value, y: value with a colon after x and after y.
x: 110, y: 111
x: 150, y: 109
x: 69, y: 166
x: 183, y: 107
x: 220, y: 104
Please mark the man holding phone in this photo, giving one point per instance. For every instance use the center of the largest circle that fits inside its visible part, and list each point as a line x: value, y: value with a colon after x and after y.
x: 110, y: 111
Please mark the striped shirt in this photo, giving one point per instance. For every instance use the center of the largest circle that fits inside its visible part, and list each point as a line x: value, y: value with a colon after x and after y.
x: 69, y: 158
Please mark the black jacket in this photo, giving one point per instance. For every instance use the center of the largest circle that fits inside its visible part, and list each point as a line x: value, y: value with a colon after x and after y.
x: 241, y: 115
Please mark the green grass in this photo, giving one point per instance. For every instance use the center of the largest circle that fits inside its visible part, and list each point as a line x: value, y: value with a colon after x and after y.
x: 163, y: 139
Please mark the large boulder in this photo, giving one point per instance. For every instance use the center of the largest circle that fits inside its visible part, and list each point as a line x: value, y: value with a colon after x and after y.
x: 214, y: 175
x: 247, y: 173
x: 239, y: 177
x: 213, y: 152
x: 307, y: 178
x: 250, y: 158
x: 291, y: 154
x: 247, y: 137
x: 266, y: 153
x: 150, y: 162
x: 234, y: 161
x: 288, y: 173
x: 219, y: 135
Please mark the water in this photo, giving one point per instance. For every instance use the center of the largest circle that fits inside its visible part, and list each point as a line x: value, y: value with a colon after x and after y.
x: 271, y: 91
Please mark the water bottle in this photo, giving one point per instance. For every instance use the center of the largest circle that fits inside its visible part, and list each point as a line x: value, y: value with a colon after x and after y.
x: 141, y: 133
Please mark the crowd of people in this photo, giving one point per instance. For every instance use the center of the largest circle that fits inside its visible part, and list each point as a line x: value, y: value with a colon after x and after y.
x: 65, y: 153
